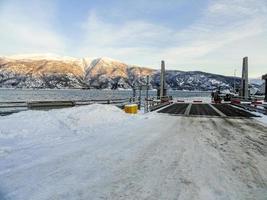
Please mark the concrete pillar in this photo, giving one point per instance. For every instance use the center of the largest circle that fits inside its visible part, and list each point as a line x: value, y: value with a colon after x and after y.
x: 244, y: 79
x: 162, y: 79
x: 264, y: 77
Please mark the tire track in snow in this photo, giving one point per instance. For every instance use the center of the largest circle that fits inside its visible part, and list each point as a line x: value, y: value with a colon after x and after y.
x: 242, y: 153
x: 154, y: 157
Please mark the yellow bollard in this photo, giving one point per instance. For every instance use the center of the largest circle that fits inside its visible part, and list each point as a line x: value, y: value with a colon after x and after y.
x: 131, y: 108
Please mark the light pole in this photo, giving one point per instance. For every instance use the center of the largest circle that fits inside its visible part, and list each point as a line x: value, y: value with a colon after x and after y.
x: 234, y: 80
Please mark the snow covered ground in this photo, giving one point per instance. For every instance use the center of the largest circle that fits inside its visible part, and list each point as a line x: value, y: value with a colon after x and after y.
x: 99, y: 152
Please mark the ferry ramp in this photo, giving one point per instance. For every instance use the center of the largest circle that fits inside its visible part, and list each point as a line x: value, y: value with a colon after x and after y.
x: 205, y: 110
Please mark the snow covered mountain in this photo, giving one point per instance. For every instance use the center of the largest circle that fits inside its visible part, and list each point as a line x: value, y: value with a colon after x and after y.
x: 50, y: 71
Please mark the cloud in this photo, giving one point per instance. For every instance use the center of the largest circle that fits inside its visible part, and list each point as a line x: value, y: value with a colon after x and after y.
x: 215, y: 41
x: 132, y: 41
x: 27, y: 29
x: 223, y: 23
x: 227, y: 31
x: 129, y: 34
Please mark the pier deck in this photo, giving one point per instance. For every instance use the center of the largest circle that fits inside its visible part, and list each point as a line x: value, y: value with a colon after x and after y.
x: 203, y: 109
x: 209, y: 110
x: 231, y: 111
x: 175, y: 108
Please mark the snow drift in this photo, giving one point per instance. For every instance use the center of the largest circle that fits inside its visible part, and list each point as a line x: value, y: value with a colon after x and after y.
x: 99, y: 152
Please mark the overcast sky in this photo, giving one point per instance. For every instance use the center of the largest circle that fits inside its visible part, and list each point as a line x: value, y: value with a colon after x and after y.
x: 204, y: 35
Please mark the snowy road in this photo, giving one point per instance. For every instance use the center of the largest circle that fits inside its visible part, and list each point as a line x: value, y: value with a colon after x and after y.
x: 98, y: 152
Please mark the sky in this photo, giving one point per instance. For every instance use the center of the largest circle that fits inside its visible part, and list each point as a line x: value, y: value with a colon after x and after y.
x: 202, y: 35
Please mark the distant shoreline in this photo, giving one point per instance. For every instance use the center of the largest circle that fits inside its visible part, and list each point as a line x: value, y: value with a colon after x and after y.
x: 31, y: 89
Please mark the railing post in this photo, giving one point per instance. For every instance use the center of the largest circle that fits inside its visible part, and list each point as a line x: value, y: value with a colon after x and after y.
x: 140, y: 97
x: 134, y: 92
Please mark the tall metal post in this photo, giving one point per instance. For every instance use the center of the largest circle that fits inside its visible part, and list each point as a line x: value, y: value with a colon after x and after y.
x: 147, y: 88
x: 140, y: 96
x: 162, y: 79
x: 234, y: 81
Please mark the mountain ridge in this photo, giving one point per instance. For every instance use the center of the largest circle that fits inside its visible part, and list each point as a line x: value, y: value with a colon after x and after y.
x: 52, y: 71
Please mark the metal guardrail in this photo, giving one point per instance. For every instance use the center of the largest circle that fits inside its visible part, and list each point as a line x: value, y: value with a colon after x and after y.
x: 9, y: 107
x: 252, y: 98
x: 68, y: 102
x: 39, y: 104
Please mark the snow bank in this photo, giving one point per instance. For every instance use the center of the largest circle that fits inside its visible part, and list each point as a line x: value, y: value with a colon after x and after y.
x: 61, y: 121
x: 100, y: 152
x: 262, y: 118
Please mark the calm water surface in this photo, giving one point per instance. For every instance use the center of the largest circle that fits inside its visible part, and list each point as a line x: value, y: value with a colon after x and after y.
x: 74, y: 94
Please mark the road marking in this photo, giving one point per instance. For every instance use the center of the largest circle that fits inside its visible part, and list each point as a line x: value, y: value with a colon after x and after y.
x: 217, y: 111
x: 187, y: 111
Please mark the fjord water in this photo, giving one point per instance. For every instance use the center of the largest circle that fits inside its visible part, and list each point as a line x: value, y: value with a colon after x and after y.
x: 7, y: 95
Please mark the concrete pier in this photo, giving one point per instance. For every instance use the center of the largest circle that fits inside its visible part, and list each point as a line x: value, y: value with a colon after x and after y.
x: 162, y: 80
x: 264, y: 77
x: 244, y: 79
